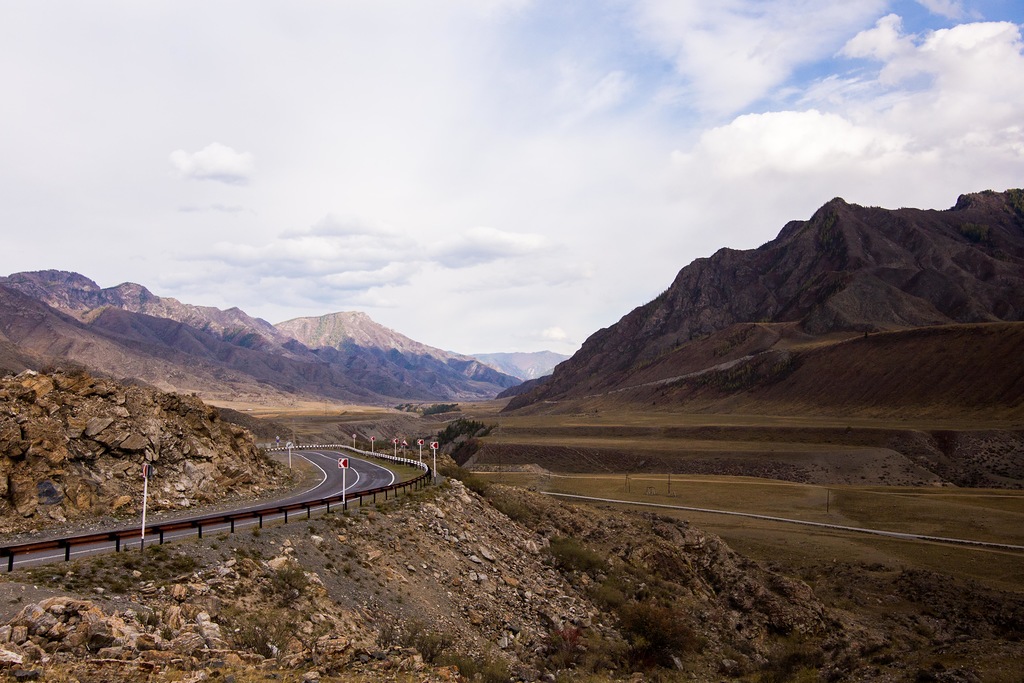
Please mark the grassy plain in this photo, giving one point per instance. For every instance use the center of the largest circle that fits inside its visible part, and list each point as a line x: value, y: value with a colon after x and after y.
x: 991, y: 515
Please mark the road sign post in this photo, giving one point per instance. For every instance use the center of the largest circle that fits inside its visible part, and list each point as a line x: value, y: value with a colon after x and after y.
x: 353, y: 442
x: 372, y: 439
x: 343, y: 465
x: 289, y: 446
x: 147, y: 471
x: 434, y: 446
x: 395, y: 441
x: 419, y: 442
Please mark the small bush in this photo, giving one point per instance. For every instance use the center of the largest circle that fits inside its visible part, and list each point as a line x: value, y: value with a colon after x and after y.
x: 516, y: 510
x: 485, y: 670
x: 570, y: 555
x: 655, y: 633
x: 565, y: 647
x: 793, y: 661
x: 471, y: 481
x: 430, y: 643
x: 264, y: 633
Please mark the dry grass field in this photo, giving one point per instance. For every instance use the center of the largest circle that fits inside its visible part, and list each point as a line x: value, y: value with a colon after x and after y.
x: 814, y: 468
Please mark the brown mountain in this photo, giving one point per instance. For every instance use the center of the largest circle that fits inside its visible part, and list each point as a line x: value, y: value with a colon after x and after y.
x: 739, y: 321
x: 349, y: 338
x: 52, y: 317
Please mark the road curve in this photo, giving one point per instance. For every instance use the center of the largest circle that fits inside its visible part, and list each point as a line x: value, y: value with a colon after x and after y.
x: 361, y: 475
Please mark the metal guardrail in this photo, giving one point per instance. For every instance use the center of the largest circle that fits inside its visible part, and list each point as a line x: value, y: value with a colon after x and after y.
x: 123, y: 536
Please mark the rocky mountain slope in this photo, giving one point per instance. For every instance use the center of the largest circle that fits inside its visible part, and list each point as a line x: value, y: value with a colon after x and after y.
x: 51, y: 317
x: 349, y: 339
x: 72, y: 447
x: 847, y: 271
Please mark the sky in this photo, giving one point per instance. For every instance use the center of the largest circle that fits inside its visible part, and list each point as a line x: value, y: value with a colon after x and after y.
x: 479, y: 175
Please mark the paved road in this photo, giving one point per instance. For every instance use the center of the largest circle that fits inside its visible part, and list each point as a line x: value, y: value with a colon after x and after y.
x: 361, y: 475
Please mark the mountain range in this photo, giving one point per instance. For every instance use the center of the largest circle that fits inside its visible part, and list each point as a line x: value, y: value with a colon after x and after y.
x: 858, y: 308
x: 56, y: 317
x: 525, y: 366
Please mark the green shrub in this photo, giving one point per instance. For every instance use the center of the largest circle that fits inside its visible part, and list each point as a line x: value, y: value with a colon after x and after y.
x: 655, y: 633
x: 462, y: 427
x: 471, y: 481
x: 430, y: 643
x: 794, y: 660
x: 979, y: 234
x: 570, y: 555
x: 485, y: 669
x: 439, y: 408
x: 264, y: 633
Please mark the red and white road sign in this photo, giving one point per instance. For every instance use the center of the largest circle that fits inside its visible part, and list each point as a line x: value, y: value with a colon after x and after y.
x: 419, y: 442
x: 394, y: 441
x: 435, y: 445
x: 342, y: 463
x: 373, y: 438
x: 404, y: 443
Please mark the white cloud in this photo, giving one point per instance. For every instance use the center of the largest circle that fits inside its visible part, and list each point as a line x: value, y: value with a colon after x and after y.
x: 484, y: 245
x: 556, y: 334
x: 792, y: 142
x: 214, y: 162
x: 734, y: 52
x: 951, y: 9
x: 884, y: 41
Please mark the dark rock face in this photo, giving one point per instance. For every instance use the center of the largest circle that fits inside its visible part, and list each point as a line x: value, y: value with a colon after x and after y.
x: 848, y: 268
x: 72, y: 445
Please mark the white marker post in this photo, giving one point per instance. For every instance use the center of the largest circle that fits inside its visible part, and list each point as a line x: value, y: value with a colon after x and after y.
x: 395, y: 441
x: 372, y: 439
x: 353, y: 442
x: 147, y: 471
x: 289, y: 445
x: 343, y: 466
x: 419, y: 442
x: 434, y: 446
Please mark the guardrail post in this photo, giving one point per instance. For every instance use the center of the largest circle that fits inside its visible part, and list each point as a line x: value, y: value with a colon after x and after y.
x: 200, y: 527
x: 67, y: 552
x: 232, y: 525
x: 261, y: 520
x: 286, y: 516
x: 10, y: 563
x: 161, y: 536
x: 117, y: 544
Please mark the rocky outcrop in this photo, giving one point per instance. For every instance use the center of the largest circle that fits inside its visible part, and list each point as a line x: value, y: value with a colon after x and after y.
x: 72, y: 446
x: 848, y: 269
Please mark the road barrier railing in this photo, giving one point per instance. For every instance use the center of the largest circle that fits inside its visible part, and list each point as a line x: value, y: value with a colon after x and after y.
x: 120, y: 538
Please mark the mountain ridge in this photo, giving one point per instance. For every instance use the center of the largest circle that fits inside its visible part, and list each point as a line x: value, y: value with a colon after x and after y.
x: 847, y: 270
x: 127, y: 331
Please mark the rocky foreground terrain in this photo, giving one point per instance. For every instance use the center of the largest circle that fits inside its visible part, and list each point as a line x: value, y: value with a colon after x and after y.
x: 72, y: 447
x: 448, y: 585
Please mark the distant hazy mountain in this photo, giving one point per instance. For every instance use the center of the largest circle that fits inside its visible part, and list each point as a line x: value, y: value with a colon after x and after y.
x: 52, y: 317
x: 523, y: 365
x: 344, y: 338
x: 740, y: 320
